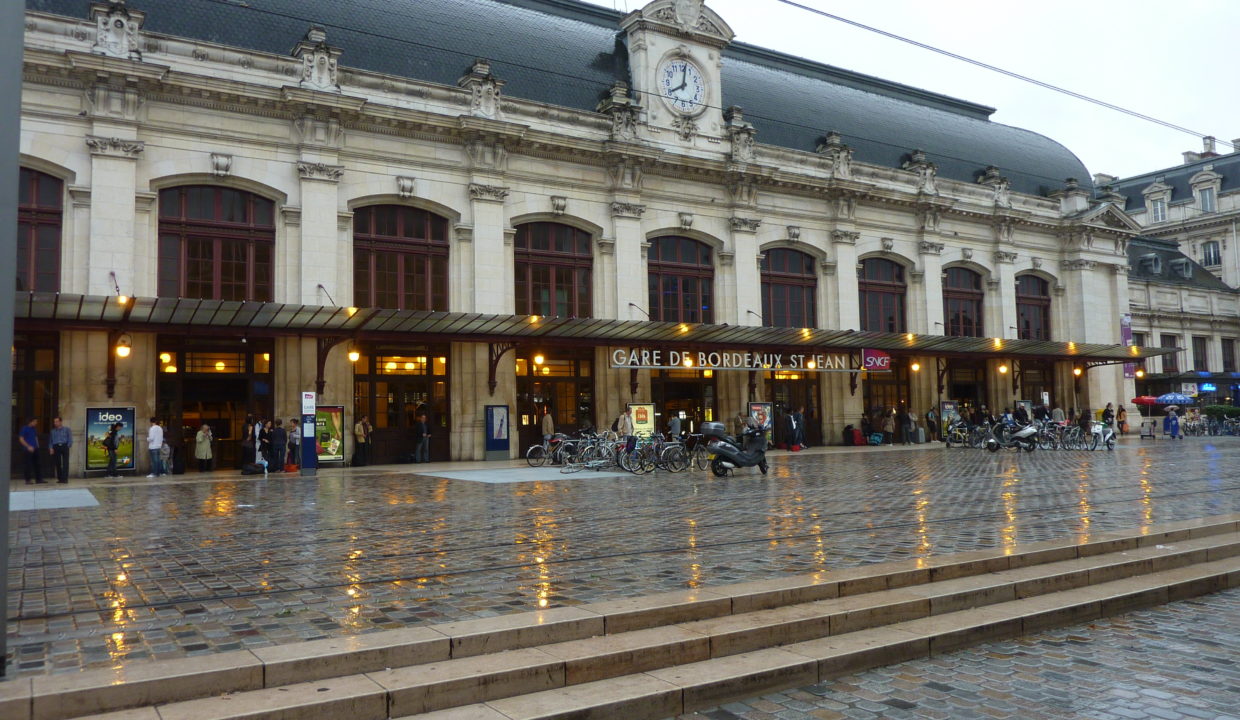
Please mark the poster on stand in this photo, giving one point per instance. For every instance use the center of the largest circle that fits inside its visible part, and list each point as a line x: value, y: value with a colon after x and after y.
x: 98, y: 420
x: 644, y: 422
x: 329, y: 432
x: 948, y: 414
x: 762, y: 413
x: 497, y: 428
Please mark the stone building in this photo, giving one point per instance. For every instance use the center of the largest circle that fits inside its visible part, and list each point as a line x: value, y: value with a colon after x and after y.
x: 293, y: 196
x: 1185, y: 271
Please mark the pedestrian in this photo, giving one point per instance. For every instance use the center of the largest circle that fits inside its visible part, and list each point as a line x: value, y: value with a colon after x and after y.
x: 249, y: 440
x: 740, y: 422
x: 1171, y: 424
x: 624, y: 423
x: 264, y: 445
x: 1021, y: 415
x: 548, y: 424
x: 910, y: 426
x: 422, y: 438
x: 1108, y: 415
x: 799, y: 417
x: 361, y: 435
x: 111, y: 441
x: 932, y: 425
x: 673, y: 426
x: 29, y: 439
x: 889, y: 427
x: 294, y: 442
x: 1121, y: 419
x: 279, y: 445
x: 154, y: 446
x: 202, y: 447
x: 61, y: 441
x: 165, y: 455
x: 1057, y: 414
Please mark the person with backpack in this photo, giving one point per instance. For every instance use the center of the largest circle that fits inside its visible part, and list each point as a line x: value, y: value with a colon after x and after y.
x: 624, y: 424
x: 279, y: 445
x: 111, y: 440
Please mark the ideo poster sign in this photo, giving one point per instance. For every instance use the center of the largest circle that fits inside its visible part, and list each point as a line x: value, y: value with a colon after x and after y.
x: 98, y: 420
x: 643, y: 418
x: 329, y: 432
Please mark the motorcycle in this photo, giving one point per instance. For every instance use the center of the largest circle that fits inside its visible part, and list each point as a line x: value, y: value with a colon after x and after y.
x: 730, y: 453
x: 1025, y: 438
x: 1101, y: 433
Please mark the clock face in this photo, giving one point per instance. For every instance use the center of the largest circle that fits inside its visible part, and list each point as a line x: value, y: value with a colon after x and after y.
x: 682, y: 86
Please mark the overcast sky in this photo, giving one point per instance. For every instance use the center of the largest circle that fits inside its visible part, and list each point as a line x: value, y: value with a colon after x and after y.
x: 1176, y: 61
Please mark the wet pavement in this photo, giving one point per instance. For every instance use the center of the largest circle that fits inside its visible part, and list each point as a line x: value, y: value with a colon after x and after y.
x: 1176, y: 662
x: 190, y: 565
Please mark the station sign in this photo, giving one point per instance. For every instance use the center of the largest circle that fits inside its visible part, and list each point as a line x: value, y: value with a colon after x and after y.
x: 661, y: 359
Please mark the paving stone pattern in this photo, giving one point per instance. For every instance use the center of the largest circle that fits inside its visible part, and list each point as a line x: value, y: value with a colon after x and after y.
x: 1176, y: 662
x: 164, y: 569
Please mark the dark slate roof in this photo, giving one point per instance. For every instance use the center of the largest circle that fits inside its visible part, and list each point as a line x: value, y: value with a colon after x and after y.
x: 568, y: 53
x: 1177, y: 177
x: 1167, y: 251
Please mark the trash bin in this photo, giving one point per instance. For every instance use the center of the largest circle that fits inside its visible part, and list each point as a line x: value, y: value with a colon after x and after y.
x: 848, y: 435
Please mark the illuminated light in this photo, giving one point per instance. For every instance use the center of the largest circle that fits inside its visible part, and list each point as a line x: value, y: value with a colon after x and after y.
x: 538, y: 359
x: 811, y: 364
x: 1002, y: 369
x: 1076, y: 371
x: 354, y: 355
x: 684, y: 328
x: 998, y: 343
x: 122, y: 577
x: 266, y: 357
x: 351, y: 311
x: 1135, y: 350
x: 408, y: 366
x: 170, y: 369
x: 688, y: 361
x: 708, y: 373
x: 390, y: 366
x: 533, y: 318
x: 219, y: 365
x: 916, y: 367
x: 909, y: 337
x: 546, y: 370
x: 123, y: 349
x: 165, y: 358
x: 1140, y: 373
x: 122, y: 299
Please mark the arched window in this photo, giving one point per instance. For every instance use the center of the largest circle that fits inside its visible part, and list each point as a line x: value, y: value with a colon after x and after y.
x: 881, y: 285
x: 1033, y: 308
x: 39, y: 208
x: 400, y: 258
x: 215, y: 243
x: 681, y: 280
x: 788, y: 289
x: 553, y: 270
x: 962, y: 302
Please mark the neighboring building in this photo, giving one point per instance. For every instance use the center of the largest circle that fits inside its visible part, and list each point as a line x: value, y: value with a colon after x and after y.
x: 498, y: 232
x: 1185, y: 271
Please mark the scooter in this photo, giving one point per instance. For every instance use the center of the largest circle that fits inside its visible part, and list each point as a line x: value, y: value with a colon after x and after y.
x: 1102, y: 433
x: 730, y: 453
x: 1025, y: 438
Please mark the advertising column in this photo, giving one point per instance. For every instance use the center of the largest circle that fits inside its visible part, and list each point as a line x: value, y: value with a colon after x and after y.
x: 309, y: 426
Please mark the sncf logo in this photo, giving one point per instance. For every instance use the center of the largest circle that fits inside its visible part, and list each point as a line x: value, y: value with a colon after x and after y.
x: 875, y: 360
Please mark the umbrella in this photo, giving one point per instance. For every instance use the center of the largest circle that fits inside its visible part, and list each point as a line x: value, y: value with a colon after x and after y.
x: 1145, y: 400
x: 1174, y: 398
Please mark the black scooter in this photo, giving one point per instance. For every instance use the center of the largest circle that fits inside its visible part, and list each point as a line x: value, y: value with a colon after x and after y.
x: 728, y: 450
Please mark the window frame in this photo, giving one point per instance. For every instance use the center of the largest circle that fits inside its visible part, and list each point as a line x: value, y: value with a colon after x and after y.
x: 1033, y: 303
x: 1211, y: 250
x: 967, y: 303
x: 1201, y: 353
x: 700, y: 270
x: 573, y: 266
x: 1228, y: 347
x: 33, y: 217
x: 191, y: 235
x: 778, y: 278
x: 425, y: 247
x: 1170, y: 363
x: 1207, y: 192
x: 886, y: 292
x: 1158, y: 210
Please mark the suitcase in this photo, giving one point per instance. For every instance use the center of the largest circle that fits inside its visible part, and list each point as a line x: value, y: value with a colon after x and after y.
x: 857, y: 438
x: 921, y: 436
x: 251, y: 469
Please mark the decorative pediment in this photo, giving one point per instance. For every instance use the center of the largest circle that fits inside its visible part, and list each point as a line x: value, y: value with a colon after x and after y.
x: 1158, y: 188
x: 684, y: 17
x: 1110, y: 216
x: 1207, y: 177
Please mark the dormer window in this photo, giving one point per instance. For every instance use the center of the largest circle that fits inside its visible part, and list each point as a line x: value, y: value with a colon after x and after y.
x: 1151, y: 264
x: 1205, y: 197
x: 1210, y: 254
x: 1183, y: 268
x: 1158, y: 210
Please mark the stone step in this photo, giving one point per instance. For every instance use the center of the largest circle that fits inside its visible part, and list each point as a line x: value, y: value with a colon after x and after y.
x: 633, y: 635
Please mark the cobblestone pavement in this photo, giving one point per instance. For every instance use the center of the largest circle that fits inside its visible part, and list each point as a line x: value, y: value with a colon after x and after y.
x: 169, y: 569
x: 1176, y: 662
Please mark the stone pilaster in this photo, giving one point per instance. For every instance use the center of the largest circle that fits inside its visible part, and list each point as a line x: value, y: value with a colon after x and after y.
x: 930, y: 253
x: 113, y: 207
x: 743, y: 282
x: 844, y: 244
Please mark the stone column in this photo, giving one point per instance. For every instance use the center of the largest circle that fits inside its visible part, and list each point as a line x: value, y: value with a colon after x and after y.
x: 1001, y: 297
x: 744, y: 285
x: 112, y: 217
x: 319, y: 260
x: 629, y: 261
x: 844, y: 243
x: 930, y: 254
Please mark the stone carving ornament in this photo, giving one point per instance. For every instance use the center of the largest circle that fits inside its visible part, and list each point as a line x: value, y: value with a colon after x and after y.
x: 320, y: 171
x: 116, y: 30
x: 629, y: 210
x: 116, y: 147
x: 838, y: 154
x: 487, y: 193
x: 623, y: 112
x: 743, y: 224
x: 320, y: 68
x: 484, y: 89
x: 926, y: 172
x: 221, y: 164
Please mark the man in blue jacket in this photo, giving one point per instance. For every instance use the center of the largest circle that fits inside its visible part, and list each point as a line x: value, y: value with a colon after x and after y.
x: 29, y: 439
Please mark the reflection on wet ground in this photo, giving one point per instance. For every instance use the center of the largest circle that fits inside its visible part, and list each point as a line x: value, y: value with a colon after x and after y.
x: 174, y: 569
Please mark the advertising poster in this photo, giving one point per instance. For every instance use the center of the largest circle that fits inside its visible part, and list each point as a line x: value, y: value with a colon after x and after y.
x: 763, y: 414
x: 98, y: 420
x: 643, y: 418
x: 497, y: 428
x: 1125, y: 339
x: 948, y: 413
x: 329, y: 432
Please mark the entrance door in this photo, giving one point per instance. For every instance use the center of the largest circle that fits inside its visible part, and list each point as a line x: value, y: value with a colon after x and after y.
x: 34, y: 392
x: 393, y: 387
x: 790, y: 391
x: 559, y: 381
x: 688, y: 393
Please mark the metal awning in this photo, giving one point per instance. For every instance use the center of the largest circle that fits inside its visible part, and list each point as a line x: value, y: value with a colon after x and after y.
x: 104, y: 312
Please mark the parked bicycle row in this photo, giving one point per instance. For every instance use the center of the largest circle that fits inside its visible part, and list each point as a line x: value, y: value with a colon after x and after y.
x: 1047, y: 435
x: 640, y: 454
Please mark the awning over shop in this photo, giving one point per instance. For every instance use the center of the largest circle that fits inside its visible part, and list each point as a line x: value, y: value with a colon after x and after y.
x: 103, y: 312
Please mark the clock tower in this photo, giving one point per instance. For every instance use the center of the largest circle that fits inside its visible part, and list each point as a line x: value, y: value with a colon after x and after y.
x: 675, y: 55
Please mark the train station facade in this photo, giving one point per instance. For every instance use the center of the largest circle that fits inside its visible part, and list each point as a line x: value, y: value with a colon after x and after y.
x: 614, y: 208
